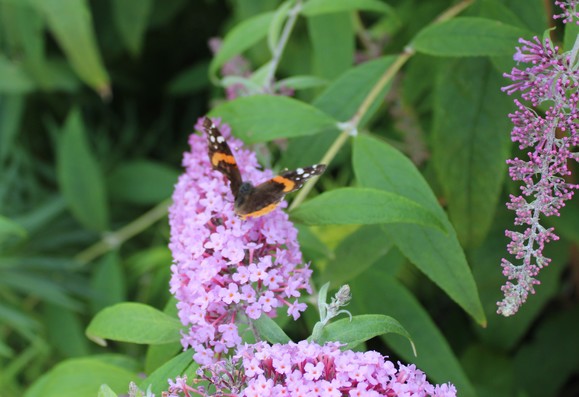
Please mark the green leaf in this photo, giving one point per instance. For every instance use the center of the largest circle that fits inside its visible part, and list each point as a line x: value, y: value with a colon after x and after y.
x: 317, y: 7
x: 19, y: 320
x: 191, y: 80
x: 65, y: 331
x: 157, y: 355
x: 142, y: 182
x: 13, y: 79
x: 362, y: 206
x: 322, y: 299
x: 270, y: 331
x: 70, y: 21
x: 36, y: 284
x: 468, y: 36
x: 131, y: 18
x: 263, y: 118
x: 240, y: 38
x: 310, y: 243
x: 10, y: 229
x: 81, y: 377
x: 360, y: 329
x: 470, y: 144
x: 344, y: 96
x: 557, y: 335
x: 183, y: 364
x: 135, y: 323
x: 106, y: 391
x: 333, y: 41
x: 301, y: 82
x: 376, y: 291
x: 355, y: 254
x: 11, y: 112
x: 80, y: 177
x: 440, y: 257
x: 108, y: 282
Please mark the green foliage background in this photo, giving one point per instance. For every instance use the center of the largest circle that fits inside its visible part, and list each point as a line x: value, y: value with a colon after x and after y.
x: 97, y: 99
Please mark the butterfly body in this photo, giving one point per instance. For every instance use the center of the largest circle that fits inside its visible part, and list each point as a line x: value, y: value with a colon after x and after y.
x: 250, y: 200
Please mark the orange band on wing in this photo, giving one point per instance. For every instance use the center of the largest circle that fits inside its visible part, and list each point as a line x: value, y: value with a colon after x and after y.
x: 260, y: 212
x: 288, y: 184
x: 219, y: 157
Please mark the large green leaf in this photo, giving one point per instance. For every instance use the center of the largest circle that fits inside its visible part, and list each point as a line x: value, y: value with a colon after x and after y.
x: 468, y: 36
x: 82, y: 377
x: 470, y: 144
x: 10, y: 229
x: 355, y: 254
x: 182, y: 364
x: 363, y: 206
x: 438, y: 255
x: 317, y: 7
x: 333, y: 41
x: 556, y: 335
x: 358, y: 329
x: 80, y: 177
x: 341, y: 99
x: 270, y: 331
x: 65, y: 331
x: 135, y: 323
x: 36, y: 284
x: 240, y: 38
x: 344, y: 96
x: 142, y: 182
x: 376, y: 291
x: 264, y: 117
x: 131, y: 18
x: 108, y: 282
x: 13, y: 78
x: 70, y: 21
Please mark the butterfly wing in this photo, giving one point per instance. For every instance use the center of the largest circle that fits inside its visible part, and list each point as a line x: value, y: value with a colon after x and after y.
x: 220, y: 155
x: 266, y: 197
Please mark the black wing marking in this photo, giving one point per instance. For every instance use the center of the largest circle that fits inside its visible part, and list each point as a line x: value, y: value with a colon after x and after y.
x: 220, y: 155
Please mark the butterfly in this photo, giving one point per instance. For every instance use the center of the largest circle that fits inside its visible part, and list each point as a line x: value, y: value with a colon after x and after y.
x: 253, y: 201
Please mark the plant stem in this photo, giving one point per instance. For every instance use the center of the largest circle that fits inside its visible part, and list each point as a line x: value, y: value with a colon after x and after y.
x: 114, y: 239
x: 351, y: 127
x: 278, y: 51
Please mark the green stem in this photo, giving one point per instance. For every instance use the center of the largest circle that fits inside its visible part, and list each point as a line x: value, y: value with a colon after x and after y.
x: 278, y: 51
x: 113, y: 240
x: 351, y: 127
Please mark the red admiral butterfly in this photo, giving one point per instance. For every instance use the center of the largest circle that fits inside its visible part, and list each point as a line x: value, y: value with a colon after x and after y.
x: 253, y: 201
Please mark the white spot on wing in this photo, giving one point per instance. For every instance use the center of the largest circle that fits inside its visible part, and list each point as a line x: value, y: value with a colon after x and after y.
x: 300, y: 171
x: 220, y: 139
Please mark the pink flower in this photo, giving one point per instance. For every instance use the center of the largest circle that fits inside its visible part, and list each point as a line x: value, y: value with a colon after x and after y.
x: 227, y: 271
x: 308, y: 369
x: 551, y: 80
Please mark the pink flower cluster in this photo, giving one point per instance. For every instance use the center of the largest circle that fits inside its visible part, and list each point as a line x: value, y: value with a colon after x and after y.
x: 569, y: 13
x: 552, y: 81
x: 308, y: 369
x: 227, y: 271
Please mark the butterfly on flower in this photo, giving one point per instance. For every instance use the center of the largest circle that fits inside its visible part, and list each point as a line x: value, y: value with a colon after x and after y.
x: 253, y: 201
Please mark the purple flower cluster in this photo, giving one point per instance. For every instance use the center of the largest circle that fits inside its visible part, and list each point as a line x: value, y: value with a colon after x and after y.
x: 308, y: 369
x: 569, y: 13
x: 551, y: 81
x: 227, y: 271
